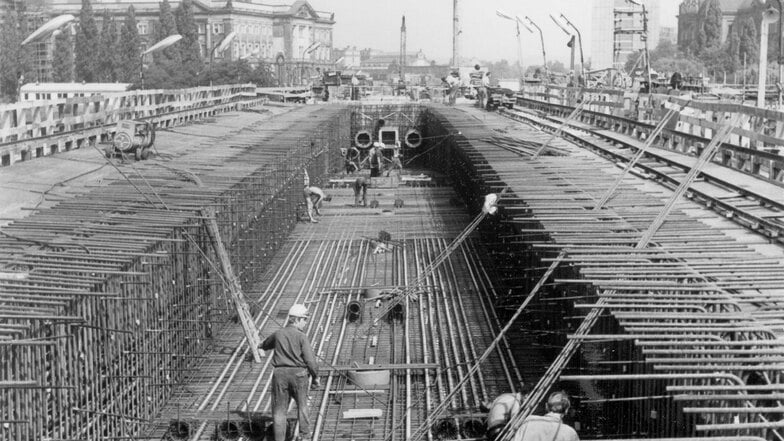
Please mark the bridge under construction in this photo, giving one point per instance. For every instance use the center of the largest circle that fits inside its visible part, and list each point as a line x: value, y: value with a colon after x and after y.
x: 636, y: 266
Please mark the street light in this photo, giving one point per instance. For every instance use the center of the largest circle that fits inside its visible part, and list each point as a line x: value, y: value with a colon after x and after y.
x: 313, y: 46
x: 219, y: 48
x: 46, y: 30
x: 768, y: 17
x: 570, y: 44
x: 517, y: 22
x: 48, y: 27
x: 580, y: 41
x: 163, y: 44
x: 541, y: 38
x: 781, y: 48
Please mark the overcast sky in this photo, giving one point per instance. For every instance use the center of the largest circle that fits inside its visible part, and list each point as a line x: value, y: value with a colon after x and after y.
x: 376, y: 24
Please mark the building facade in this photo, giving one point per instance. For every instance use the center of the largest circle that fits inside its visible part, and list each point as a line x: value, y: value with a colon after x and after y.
x: 618, y: 30
x: 294, y: 37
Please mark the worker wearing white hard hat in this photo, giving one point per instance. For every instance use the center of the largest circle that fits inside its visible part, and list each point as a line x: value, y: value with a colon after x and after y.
x: 549, y: 427
x: 293, y: 361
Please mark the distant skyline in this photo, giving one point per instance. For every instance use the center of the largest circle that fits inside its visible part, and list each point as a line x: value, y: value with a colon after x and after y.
x: 485, y: 36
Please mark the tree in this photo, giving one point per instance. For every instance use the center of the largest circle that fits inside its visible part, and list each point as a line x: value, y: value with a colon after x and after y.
x: 108, y: 59
x: 190, y: 50
x: 129, y: 49
x: 15, y: 60
x: 748, y: 40
x: 63, y: 58
x: 710, y: 29
x: 167, y: 25
x: 556, y: 67
x: 262, y: 75
x: 667, y: 58
x: 87, y: 45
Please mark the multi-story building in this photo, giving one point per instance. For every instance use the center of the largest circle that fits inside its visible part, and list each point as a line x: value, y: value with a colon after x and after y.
x: 617, y: 30
x: 295, y: 37
x: 668, y: 33
x: 347, y: 57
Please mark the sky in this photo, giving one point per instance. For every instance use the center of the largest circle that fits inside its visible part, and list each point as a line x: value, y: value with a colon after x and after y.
x: 485, y: 36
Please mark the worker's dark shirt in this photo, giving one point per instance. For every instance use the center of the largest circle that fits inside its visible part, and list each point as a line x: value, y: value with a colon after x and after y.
x: 292, y: 349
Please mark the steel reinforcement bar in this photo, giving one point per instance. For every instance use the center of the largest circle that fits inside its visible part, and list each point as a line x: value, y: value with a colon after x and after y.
x: 673, y: 329
x: 753, y: 149
x: 109, y: 298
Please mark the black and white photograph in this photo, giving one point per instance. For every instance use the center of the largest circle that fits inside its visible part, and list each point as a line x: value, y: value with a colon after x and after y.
x: 391, y: 220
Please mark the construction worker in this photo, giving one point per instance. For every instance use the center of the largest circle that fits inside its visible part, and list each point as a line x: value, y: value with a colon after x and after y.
x: 453, y: 80
x: 477, y: 82
x: 293, y: 361
x: 374, y: 159
x: 500, y: 411
x: 360, y: 186
x: 313, y: 197
x: 549, y: 427
x: 354, y: 87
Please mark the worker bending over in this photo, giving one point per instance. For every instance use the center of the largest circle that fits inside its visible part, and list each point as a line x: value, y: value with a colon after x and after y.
x: 500, y: 411
x: 313, y: 197
x: 549, y: 427
x: 293, y: 361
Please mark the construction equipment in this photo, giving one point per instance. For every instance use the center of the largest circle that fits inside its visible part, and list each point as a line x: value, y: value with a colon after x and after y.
x: 500, y: 96
x: 132, y: 137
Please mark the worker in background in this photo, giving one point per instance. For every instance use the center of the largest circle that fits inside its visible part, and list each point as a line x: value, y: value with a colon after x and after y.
x: 354, y: 87
x: 477, y: 82
x: 485, y: 89
x: 549, y: 427
x: 500, y: 411
x: 293, y: 361
x: 396, y: 163
x: 374, y: 159
x: 360, y: 188
x: 350, y: 158
x: 313, y: 197
x: 453, y: 80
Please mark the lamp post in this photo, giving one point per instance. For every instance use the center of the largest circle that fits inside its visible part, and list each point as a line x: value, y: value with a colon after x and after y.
x: 48, y: 27
x: 768, y: 17
x: 580, y: 41
x: 313, y: 46
x: 570, y: 44
x: 517, y: 22
x: 219, y: 48
x: 541, y: 38
x: 42, y: 33
x: 163, y: 44
x: 781, y: 49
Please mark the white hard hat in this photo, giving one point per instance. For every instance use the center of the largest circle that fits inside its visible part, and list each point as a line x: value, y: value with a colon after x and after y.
x: 298, y: 310
x: 489, y: 206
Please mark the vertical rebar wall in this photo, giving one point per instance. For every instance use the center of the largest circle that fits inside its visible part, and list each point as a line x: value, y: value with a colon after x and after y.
x: 116, y: 290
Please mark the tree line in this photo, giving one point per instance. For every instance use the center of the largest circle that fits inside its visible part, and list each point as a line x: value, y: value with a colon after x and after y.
x: 110, y: 50
x: 737, y: 55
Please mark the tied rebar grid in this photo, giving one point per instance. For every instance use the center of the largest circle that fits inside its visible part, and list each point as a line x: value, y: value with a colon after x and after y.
x: 698, y: 294
x: 115, y: 292
x: 328, y: 265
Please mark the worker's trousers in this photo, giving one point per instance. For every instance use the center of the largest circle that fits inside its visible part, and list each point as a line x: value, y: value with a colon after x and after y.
x: 288, y: 383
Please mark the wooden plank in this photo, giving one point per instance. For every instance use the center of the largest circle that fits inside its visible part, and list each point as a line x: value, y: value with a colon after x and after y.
x: 362, y: 413
x: 235, y: 289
